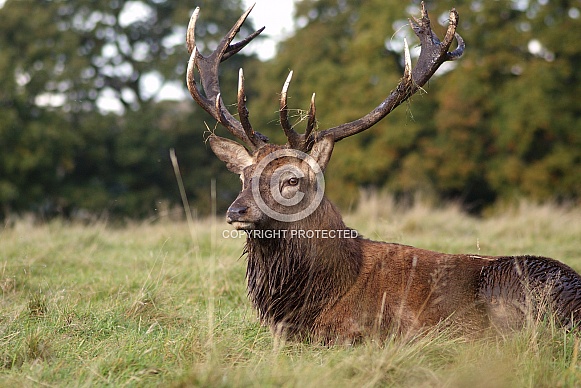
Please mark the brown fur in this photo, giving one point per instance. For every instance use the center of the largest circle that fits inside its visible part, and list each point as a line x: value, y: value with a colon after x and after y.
x: 343, y: 289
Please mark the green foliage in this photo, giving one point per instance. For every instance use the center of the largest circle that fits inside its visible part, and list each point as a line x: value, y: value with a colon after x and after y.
x: 148, y: 305
x: 503, y: 123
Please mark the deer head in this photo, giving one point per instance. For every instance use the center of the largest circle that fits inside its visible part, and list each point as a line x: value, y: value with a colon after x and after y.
x: 282, y: 184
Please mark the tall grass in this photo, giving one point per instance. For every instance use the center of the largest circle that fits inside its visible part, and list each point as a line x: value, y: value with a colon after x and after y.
x: 148, y: 305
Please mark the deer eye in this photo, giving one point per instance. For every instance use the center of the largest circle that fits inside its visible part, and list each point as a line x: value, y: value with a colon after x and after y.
x: 293, y: 181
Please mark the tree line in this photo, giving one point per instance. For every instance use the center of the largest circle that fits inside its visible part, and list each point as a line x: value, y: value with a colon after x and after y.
x: 83, y: 128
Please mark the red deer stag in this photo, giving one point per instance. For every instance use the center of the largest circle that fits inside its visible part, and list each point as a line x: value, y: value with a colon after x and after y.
x: 311, y: 277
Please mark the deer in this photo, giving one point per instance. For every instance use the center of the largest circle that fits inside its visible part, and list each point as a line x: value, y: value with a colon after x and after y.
x: 312, y: 278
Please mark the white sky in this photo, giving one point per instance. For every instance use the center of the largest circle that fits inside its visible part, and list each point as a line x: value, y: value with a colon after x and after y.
x: 276, y: 16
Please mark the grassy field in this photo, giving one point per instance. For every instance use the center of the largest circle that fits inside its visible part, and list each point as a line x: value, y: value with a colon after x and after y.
x: 162, y: 304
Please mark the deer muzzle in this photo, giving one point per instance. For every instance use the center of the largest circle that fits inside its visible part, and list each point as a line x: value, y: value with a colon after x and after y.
x: 237, y: 217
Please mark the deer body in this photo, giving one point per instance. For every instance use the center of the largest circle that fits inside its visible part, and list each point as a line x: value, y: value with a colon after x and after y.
x: 405, y: 289
x: 340, y: 287
x: 346, y: 288
x: 353, y: 288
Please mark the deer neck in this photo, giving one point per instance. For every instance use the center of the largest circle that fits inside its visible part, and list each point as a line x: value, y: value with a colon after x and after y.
x: 293, y: 273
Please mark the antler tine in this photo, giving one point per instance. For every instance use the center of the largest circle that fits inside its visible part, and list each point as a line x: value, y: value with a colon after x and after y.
x: 193, y: 86
x: 208, y: 69
x: 190, y: 34
x: 302, y: 142
x: 452, y: 56
x: 292, y: 136
x: 451, y: 30
x: 407, y: 72
x: 243, y: 113
x: 225, y: 47
x: 236, y: 47
x: 311, y: 122
x: 433, y: 54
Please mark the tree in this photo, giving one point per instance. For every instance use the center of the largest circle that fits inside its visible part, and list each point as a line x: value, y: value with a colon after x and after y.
x: 81, y: 116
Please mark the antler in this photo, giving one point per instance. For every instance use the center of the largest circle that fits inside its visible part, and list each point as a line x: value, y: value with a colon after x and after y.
x: 297, y: 141
x: 208, y: 69
x: 433, y: 54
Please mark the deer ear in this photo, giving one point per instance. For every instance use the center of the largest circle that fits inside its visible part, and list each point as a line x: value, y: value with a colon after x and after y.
x: 233, y: 154
x: 322, y: 150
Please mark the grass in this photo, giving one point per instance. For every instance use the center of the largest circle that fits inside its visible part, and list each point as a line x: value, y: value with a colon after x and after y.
x: 148, y: 305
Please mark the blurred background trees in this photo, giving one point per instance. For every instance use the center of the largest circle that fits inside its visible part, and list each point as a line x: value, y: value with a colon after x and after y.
x: 83, y: 127
x: 92, y: 97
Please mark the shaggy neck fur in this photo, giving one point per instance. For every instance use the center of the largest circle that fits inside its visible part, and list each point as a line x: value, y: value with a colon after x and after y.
x: 291, y: 279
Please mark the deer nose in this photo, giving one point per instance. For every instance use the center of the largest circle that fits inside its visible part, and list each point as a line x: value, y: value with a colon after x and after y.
x: 235, y: 212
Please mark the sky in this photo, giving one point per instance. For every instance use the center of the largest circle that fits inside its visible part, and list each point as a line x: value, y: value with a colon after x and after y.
x: 276, y: 16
